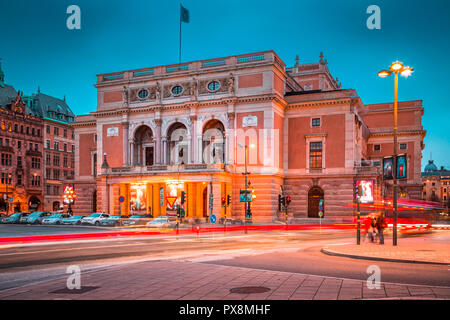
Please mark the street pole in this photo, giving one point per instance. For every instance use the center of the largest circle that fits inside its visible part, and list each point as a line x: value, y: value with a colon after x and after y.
x: 358, y: 214
x: 246, y: 186
x: 394, y: 236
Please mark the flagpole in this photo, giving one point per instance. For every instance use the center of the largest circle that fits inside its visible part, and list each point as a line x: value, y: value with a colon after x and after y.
x: 179, y: 53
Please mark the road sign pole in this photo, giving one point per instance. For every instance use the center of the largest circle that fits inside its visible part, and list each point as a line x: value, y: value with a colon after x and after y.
x: 358, y: 213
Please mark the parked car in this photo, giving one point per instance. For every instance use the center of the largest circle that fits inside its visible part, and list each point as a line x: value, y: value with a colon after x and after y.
x: 35, y: 217
x: 72, y: 220
x: 161, y: 222
x: 14, y: 218
x: 55, y: 218
x: 137, y: 220
x: 23, y: 218
x: 113, y: 221
x: 94, y: 219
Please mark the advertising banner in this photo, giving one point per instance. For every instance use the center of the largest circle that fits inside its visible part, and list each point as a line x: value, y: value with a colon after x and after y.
x: 401, y: 166
x: 366, y: 188
x: 388, y: 168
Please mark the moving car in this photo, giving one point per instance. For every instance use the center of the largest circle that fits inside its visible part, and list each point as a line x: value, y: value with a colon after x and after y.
x: 137, y: 220
x: 113, y: 221
x: 94, y: 219
x: 54, y: 219
x: 161, y: 222
x: 14, y: 218
x: 35, y: 217
x: 72, y: 220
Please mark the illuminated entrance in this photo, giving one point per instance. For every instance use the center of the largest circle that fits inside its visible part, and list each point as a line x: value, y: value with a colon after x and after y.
x: 161, y: 198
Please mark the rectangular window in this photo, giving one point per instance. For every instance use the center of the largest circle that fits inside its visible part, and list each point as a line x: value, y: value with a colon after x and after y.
x: 315, y: 122
x: 56, y: 145
x: 56, y: 174
x: 377, y: 147
x: 65, y: 133
x: 35, y: 163
x: 56, y: 159
x: 48, y: 129
x: 47, y: 189
x: 48, y: 173
x: 6, y: 178
x: 73, y: 148
x: 19, y: 162
x: 402, y: 146
x: 19, y: 144
x: 65, y: 147
x: 38, y: 132
x: 6, y: 159
x: 315, y: 155
x: 56, y: 131
x: 47, y: 144
x: 47, y: 159
x: 65, y: 162
x: 36, y: 148
x: 19, y: 179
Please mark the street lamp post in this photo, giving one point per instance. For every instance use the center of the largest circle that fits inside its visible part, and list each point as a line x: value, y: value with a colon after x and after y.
x: 246, y: 205
x: 396, y: 68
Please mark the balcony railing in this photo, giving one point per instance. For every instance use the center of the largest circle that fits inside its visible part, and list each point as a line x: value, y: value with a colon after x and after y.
x: 182, y: 168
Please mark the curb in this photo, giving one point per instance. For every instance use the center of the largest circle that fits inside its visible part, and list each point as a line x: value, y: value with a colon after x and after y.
x: 334, y: 253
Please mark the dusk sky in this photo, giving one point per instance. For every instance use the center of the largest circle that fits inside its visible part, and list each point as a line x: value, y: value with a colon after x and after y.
x: 37, y: 49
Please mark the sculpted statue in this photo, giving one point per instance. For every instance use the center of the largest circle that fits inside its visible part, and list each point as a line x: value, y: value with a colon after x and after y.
x: 125, y: 94
x: 194, y: 88
x: 231, y: 84
x: 158, y: 91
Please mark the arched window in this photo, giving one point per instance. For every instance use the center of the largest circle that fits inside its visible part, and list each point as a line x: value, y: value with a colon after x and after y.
x: 213, y: 142
x: 178, y: 144
x: 144, y: 146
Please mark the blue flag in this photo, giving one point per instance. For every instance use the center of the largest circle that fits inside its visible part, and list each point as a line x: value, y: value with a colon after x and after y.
x: 184, y: 14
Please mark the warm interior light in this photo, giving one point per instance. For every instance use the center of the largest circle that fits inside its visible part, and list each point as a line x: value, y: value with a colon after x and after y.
x: 252, y: 145
x: 406, y: 72
x: 396, y: 66
x: 384, y: 73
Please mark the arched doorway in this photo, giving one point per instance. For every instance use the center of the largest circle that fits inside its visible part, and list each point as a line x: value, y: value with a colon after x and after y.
x: 144, y: 146
x: 315, y: 194
x: 34, y: 203
x: 213, y: 142
x: 178, y: 148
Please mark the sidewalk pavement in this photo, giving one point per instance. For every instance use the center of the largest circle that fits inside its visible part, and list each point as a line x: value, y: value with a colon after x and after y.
x: 185, y: 280
x: 413, y: 250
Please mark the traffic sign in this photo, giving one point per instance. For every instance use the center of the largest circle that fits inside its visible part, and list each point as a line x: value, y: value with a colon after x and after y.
x: 171, y: 201
x: 121, y: 198
x: 245, y: 196
x: 213, y: 218
x: 320, y: 214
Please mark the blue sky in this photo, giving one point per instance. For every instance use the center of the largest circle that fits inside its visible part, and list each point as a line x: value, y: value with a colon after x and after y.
x: 38, y: 49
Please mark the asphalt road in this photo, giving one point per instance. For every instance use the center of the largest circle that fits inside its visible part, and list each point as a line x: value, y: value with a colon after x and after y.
x: 293, y: 252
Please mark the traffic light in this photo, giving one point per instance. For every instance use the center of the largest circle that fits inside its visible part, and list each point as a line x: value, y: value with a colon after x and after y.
x: 281, y: 202
x: 228, y: 199
x: 183, y: 197
x: 223, y: 201
x: 288, y: 200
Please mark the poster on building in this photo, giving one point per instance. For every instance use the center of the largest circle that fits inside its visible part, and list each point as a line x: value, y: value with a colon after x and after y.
x: 366, y: 188
x: 138, y: 198
x: 388, y: 168
x: 401, y: 166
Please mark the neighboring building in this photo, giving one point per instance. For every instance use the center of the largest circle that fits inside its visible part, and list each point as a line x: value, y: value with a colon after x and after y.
x: 436, y: 184
x: 21, y: 187
x: 59, y: 146
x: 162, y: 130
x: 26, y: 155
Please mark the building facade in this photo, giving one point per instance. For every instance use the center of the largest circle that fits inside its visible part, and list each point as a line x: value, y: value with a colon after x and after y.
x: 37, y: 149
x: 193, y: 127
x: 436, y: 184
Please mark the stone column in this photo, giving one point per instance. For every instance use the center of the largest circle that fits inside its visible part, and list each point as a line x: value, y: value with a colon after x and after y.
x: 125, y: 126
x: 158, y: 141
x: 131, y: 159
x: 164, y: 149
x: 192, y: 139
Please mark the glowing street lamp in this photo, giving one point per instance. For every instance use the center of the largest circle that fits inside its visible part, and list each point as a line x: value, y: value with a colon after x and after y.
x: 69, y: 197
x: 396, y: 68
x: 246, y: 206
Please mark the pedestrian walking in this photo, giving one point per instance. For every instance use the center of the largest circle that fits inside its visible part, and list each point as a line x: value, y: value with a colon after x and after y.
x: 380, y: 225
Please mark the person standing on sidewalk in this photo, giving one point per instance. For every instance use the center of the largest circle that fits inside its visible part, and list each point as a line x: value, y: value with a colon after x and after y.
x: 380, y: 225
